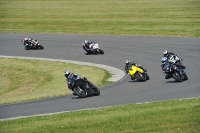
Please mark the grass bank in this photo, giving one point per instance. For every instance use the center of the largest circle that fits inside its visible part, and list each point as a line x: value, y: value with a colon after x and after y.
x: 176, y: 116
x: 25, y: 80
x: 129, y: 17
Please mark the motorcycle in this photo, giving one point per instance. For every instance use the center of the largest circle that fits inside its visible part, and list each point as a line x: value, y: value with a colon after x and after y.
x: 34, y: 44
x: 176, y: 71
x: 78, y: 90
x: 93, y: 48
x: 137, y: 73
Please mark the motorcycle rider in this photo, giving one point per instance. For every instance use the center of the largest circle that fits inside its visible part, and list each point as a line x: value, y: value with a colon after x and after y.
x: 87, y: 44
x: 169, y: 55
x: 28, y: 41
x: 79, y: 82
x: 168, y: 75
x: 128, y: 63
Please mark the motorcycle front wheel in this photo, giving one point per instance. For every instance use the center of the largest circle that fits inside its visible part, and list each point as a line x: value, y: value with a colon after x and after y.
x: 96, y: 91
x: 177, y: 77
x: 41, y: 47
x: 101, y: 51
x: 27, y: 47
x: 140, y: 76
x: 79, y: 92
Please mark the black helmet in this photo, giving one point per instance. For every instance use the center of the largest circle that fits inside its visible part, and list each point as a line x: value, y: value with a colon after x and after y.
x: 127, y: 62
x: 67, y: 73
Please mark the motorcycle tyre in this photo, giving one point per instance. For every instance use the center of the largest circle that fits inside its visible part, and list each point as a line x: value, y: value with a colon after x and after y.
x: 147, y: 77
x: 177, y: 78
x: 139, y: 78
x: 41, y: 47
x: 27, y: 47
x: 185, y: 77
x: 101, y: 51
x: 96, y: 91
x: 77, y: 89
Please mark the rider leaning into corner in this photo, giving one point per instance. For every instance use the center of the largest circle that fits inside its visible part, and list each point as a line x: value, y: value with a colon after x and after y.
x: 80, y: 82
x: 29, y: 41
x: 169, y: 56
x: 128, y: 63
x: 88, y: 45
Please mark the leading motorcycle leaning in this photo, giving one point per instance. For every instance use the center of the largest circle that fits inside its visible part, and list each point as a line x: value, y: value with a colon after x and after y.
x: 81, y: 87
x: 174, y: 68
x: 136, y: 71
x: 92, y: 48
x: 30, y: 43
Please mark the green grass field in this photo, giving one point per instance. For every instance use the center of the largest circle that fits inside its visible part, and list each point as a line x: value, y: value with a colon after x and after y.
x: 118, y: 17
x: 176, y: 116
x: 25, y: 80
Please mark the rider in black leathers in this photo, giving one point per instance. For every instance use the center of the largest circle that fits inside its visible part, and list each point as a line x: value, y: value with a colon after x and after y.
x: 87, y: 43
x: 28, y: 41
x: 168, y: 55
x: 79, y: 82
x: 168, y: 75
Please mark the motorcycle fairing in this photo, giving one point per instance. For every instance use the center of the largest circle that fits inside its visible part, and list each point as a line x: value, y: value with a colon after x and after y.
x: 133, y: 69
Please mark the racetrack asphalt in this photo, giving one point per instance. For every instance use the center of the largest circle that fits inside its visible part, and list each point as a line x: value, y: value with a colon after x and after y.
x: 143, y: 50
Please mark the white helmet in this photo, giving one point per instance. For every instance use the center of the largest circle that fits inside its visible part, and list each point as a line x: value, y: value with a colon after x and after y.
x: 86, y: 41
x: 165, y: 52
x: 164, y: 60
x: 67, y: 73
x: 127, y: 61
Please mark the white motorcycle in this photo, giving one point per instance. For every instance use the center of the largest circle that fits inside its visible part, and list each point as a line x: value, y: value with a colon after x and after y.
x: 93, y: 48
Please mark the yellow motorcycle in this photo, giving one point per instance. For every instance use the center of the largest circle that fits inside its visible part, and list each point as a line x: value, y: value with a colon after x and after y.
x: 137, y: 73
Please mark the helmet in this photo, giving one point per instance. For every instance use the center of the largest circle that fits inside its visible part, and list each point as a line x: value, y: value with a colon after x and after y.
x: 67, y: 73
x: 26, y: 38
x: 165, y: 52
x: 127, y: 62
x: 164, y: 60
x: 86, y: 41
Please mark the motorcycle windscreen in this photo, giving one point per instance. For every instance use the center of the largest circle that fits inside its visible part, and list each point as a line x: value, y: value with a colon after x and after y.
x: 134, y: 69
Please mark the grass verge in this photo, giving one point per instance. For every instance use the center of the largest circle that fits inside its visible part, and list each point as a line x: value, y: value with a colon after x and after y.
x: 25, y: 80
x: 129, y: 17
x: 175, y: 116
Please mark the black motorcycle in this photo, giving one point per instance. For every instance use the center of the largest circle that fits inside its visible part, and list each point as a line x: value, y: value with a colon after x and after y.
x: 34, y: 44
x: 79, y: 90
x: 176, y: 71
